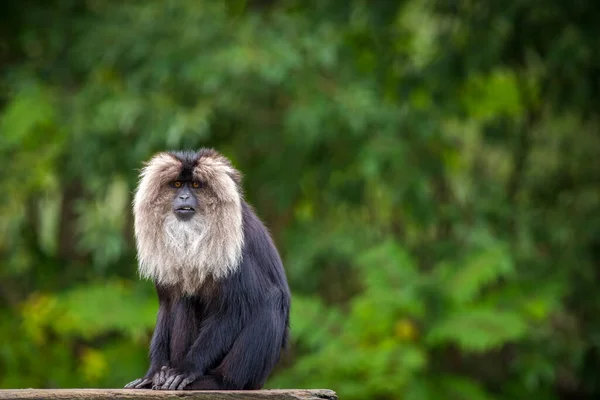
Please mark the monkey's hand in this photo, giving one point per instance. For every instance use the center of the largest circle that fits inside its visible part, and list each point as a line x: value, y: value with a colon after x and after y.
x: 160, y: 377
x: 177, y: 380
x: 149, y: 381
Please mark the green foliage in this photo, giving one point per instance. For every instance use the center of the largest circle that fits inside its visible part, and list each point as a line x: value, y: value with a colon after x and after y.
x: 463, y: 281
x: 76, y: 312
x: 427, y: 169
x: 479, y: 329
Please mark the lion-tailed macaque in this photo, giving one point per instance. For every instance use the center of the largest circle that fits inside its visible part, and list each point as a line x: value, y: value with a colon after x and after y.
x: 224, y: 301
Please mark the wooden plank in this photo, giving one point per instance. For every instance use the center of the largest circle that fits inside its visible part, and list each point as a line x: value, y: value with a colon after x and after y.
x: 141, y: 394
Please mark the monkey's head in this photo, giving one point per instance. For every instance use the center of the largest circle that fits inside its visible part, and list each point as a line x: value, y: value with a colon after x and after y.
x: 188, y: 218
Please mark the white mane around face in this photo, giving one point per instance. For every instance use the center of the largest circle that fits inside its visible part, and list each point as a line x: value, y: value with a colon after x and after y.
x: 184, y: 253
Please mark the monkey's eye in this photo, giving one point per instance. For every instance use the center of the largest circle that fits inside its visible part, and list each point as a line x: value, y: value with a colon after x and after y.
x: 195, y: 184
x: 177, y: 184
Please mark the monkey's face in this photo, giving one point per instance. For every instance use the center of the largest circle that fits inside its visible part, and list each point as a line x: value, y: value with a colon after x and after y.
x: 190, y: 197
x: 186, y: 185
x: 185, y: 202
x: 188, y: 217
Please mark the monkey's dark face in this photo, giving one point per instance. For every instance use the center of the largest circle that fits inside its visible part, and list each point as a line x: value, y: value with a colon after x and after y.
x: 185, y: 202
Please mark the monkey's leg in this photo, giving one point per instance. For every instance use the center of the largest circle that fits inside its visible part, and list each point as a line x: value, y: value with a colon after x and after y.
x: 217, y: 335
x: 252, y: 356
x: 159, y: 348
x: 253, y: 350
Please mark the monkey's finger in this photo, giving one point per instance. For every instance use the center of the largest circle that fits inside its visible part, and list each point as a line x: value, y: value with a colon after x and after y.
x: 168, y: 382
x: 135, y: 384
x: 132, y: 384
x: 160, y: 378
x: 142, y: 384
x: 185, y: 382
x: 176, y: 382
x: 157, y: 385
x: 167, y: 373
x: 164, y: 370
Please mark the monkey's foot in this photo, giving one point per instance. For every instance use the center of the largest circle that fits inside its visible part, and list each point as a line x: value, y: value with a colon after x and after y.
x: 141, y: 383
x: 177, y: 380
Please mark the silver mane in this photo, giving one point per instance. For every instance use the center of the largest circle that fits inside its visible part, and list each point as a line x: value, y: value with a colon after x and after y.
x: 184, y: 253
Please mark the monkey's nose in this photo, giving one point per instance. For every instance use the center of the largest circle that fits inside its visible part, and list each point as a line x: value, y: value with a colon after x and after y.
x: 184, y: 196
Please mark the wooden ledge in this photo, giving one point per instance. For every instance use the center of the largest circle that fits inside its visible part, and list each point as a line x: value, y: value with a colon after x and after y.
x: 116, y: 394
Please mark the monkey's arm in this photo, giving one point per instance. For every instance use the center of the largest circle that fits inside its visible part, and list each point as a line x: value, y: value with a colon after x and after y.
x: 159, y: 346
x: 255, y: 351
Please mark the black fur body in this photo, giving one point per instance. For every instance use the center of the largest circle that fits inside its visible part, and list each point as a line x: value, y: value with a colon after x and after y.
x: 229, y: 332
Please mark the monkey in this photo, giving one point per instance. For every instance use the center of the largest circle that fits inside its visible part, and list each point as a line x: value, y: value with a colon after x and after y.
x: 224, y: 300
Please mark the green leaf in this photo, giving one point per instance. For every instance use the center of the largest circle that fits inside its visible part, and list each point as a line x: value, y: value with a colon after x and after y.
x: 464, y: 281
x: 388, y: 265
x: 493, y: 95
x: 478, y: 329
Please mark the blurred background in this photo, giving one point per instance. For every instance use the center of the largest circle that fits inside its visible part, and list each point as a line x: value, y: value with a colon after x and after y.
x: 429, y: 169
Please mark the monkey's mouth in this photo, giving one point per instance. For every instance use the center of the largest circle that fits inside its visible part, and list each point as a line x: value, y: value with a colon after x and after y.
x: 185, y: 209
x: 184, y: 212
